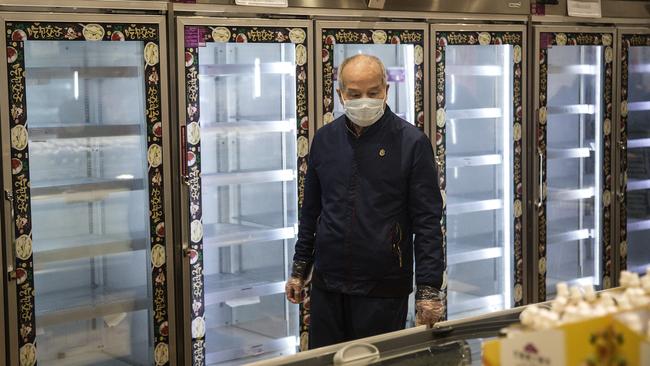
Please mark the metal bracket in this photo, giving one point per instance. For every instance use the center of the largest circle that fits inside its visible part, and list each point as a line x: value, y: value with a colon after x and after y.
x: 9, y: 195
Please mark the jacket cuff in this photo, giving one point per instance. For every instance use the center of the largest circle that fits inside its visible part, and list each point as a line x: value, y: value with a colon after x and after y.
x: 425, y: 292
x: 299, y: 269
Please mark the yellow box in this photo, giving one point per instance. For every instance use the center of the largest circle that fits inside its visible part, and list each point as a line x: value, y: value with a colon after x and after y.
x: 598, y: 341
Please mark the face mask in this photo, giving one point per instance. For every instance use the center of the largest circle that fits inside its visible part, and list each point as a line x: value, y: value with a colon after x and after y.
x: 365, y: 111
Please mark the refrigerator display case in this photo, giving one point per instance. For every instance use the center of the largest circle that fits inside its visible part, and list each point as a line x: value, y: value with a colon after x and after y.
x: 479, y: 109
x: 245, y: 128
x: 634, y: 148
x: 574, y: 111
x: 85, y: 170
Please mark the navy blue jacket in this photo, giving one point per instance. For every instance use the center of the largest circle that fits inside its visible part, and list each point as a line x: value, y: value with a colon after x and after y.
x: 365, y: 198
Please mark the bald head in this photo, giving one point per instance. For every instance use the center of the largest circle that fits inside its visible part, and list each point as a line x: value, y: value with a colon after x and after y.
x: 362, y: 76
x: 361, y: 66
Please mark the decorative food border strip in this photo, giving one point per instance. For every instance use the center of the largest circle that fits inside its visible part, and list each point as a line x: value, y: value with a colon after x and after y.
x: 471, y: 38
x: 17, y: 34
x: 196, y: 36
x: 628, y: 40
x: 548, y: 39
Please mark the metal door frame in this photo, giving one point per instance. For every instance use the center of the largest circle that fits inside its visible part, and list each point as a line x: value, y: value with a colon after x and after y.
x: 373, y: 26
x: 167, y: 297
x: 518, y: 289
x: 197, y: 355
x: 619, y: 229
x: 538, y: 270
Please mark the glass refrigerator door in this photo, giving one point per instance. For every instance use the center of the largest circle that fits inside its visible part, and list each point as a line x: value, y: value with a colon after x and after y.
x: 635, y: 112
x: 478, y: 105
x: 84, y: 193
x: 576, y: 116
x: 251, y: 95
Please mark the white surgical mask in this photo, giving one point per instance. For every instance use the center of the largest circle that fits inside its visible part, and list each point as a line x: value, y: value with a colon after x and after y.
x: 365, y: 111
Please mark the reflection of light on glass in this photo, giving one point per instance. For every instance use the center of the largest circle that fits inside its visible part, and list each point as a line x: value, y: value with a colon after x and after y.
x: 76, y: 85
x: 506, y: 101
x: 455, y: 172
x: 359, y: 52
x: 453, y: 89
x: 409, y: 80
x: 124, y: 177
x: 257, y: 77
x: 599, y: 161
x: 452, y: 124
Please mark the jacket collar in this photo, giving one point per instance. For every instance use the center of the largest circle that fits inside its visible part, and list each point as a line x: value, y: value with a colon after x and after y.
x: 370, y: 130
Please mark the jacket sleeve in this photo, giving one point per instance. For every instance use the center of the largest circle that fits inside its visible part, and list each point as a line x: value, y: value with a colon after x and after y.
x: 309, y: 213
x: 425, y: 210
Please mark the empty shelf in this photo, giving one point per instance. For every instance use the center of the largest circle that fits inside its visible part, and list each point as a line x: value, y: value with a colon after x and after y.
x: 582, y: 69
x: 86, y: 303
x: 572, y: 109
x: 86, y: 247
x: 638, y: 106
x: 638, y: 184
x: 639, y: 68
x: 638, y: 143
x: 474, y: 70
x: 638, y: 225
x: 474, y: 113
x: 267, y: 176
x: 67, y: 72
x: 85, y: 190
x: 459, y: 303
x: 221, y: 235
x: 249, y: 127
x: 473, y: 255
x: 37, y: 134
x: 569, y: 236
x: 570, y: 194
x: 475, y: 160
x: 247, y: 69
x: 575, y: 153
x: 222, y: 287
x: 236, y: 343
x: 459, y: 205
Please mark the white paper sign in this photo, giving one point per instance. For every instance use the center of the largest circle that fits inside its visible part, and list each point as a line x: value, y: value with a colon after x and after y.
x: 540, y: 349
x: 584, y: 8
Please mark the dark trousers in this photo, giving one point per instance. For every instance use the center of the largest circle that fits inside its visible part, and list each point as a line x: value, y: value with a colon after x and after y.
x: 336, y: 318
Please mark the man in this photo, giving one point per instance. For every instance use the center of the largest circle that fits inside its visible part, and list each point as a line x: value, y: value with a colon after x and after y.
x: 371, y: 184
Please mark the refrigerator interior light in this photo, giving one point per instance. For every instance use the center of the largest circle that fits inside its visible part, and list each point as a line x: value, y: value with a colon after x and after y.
x: 124, y: 177
x: 257, y: 79
x: 506, y: 100
x: 278, y: 3
x: 76, y: 85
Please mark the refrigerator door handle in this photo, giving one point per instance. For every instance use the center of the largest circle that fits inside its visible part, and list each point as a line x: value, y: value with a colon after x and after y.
x: 540, y: 199
x: 621, y: 188
x: 11, y: 271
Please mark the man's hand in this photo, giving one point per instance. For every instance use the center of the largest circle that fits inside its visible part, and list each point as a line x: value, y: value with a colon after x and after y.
x: 294, y: 289
x: 428, y: 312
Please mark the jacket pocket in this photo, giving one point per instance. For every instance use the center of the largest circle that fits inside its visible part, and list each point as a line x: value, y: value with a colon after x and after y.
x: 396, y: 242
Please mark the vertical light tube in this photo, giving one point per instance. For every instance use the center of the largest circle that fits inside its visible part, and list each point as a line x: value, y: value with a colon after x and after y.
x: 598, y: 169
x: 76, y: 85
x: 506, y: 170
x: 257, y: 79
